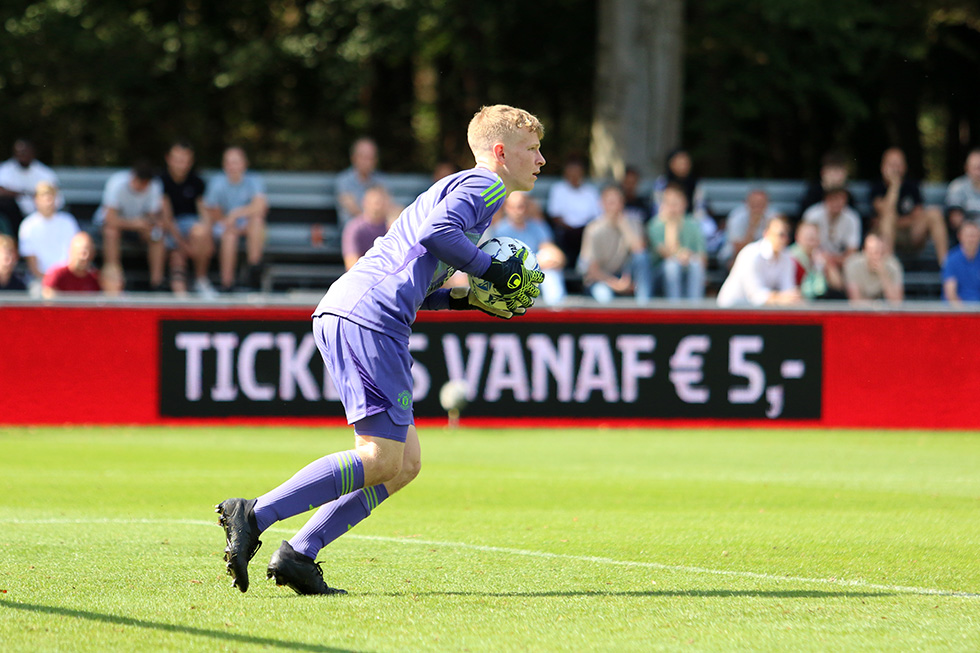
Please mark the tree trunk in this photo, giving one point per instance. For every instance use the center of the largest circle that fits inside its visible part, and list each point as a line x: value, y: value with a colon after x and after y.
x: 639, y: 83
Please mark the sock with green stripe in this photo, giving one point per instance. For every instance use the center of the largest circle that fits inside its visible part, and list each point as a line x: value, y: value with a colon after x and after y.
x: 318, y: 483
x: 334, y: 519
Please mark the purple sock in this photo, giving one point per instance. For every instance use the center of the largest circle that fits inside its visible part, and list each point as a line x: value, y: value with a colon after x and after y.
x: 335, y: 519
x: 318, y: 483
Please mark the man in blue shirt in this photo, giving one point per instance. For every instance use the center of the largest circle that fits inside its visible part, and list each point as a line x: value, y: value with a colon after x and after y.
x: 237, y: 204
x: 362, y: 327
x: 961, y: 273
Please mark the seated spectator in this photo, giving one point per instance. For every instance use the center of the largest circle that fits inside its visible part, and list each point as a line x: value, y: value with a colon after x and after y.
x: 963, y: 195
x: 112, y: 279
x: 519, y: 222
x: 19, y: 177
x: 637, y: 206
x: 961, y: 273
x: 614, y: 259
x: 677, y: 250
x: 839, y: 227
x: 745, y: 224
x: 679, y: 170
x: 900, y: 218
x: 351, y: 184
x: 573, y: 203
x: 131, y: 205
x: 77, y: 275
x: 360, y: 233
x: 186, y: 222
x: 874, y: 273
x: 237, y: 206
x: 763, y: 272
x: 815, y: 279
x: 46, y: 234
x: 8, y: 261
x: 833, y: 174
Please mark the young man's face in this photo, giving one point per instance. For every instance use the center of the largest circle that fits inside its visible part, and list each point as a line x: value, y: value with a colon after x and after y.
x: 778, y: 235
x: 179, y: 161
x: 523, y: 160
x: 234, y: 163
x: 45, y: 202
x: 674, y: 204
x: 612, y: 201
x: 365, y: 157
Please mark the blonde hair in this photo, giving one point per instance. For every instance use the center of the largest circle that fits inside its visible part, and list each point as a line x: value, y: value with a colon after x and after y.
x: 6, y: 242
x: 45, y: 187
x: 494, y: 123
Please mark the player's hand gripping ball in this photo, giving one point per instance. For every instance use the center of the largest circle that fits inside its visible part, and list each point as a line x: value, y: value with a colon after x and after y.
x: 511, y: 283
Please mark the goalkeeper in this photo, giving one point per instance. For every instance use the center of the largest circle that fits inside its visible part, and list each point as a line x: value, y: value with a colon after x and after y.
x: 362, y: 327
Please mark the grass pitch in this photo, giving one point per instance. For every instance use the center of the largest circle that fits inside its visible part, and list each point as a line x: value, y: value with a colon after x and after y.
x: 520, y: 540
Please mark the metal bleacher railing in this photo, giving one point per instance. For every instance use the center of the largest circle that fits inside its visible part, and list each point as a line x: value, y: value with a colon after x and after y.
x: 303, y: 239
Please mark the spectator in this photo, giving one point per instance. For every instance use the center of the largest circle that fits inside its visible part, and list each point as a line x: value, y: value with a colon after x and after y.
x: 19, y: 177
x: 874, y: 273
x: 961, y: 273
x: 46, y: 234
x: 573, y: 203
x: 519, y: 222
x: 763, y: 272
x: 677, y: 247
x: 186, y: 222
x: 614, y: 258
x: 360, y: 233
x: 443, y: 169
x: 902, y: 221
x: 77, y: 275
x: 833, y: 174
x: 352, y: 183
x: 637, y: 206
x: 131, y: 205
x: 8, y: 261
x: 745, y: 224
x: 679, y: 170
x: 237, y: 206
x: 839, y: 227
x: 112, y: 279
x: 963, y: 194
x: 815, y: 279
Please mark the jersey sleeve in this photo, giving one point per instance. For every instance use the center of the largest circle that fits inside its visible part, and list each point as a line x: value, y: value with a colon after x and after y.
x: 466, y: 208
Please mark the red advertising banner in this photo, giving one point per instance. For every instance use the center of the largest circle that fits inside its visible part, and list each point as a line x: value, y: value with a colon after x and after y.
x: 173, y: 364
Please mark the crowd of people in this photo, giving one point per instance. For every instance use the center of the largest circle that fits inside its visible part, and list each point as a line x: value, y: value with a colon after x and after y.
x: 613, y: 241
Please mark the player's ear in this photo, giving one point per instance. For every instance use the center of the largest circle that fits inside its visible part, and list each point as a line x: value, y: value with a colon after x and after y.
x: 498, y: 151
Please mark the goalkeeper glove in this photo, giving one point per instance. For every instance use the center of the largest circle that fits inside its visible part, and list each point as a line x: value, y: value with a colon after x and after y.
x: 514, y: 282
x: 463, y: 299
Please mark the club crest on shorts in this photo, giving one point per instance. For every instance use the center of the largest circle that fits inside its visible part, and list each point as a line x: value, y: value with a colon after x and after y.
x: 404, y: 399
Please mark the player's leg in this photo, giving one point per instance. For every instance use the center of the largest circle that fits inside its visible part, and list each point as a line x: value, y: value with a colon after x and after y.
x: 293, y: 564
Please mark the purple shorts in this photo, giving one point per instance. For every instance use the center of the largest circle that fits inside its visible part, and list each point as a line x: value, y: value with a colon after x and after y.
x: 372, y: 373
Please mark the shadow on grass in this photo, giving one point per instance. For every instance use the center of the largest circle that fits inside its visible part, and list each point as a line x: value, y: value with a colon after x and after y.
x: 170, y: 628
x: 783, y: 594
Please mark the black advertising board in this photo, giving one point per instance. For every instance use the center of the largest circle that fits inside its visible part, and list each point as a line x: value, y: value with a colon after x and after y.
x: 243, y: 368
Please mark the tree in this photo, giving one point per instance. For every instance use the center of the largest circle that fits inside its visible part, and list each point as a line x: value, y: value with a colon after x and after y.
x: 639, y: 73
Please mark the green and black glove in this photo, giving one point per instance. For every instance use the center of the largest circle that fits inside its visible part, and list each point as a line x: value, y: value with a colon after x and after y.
x: 463, y: 299
x: 514, y: 282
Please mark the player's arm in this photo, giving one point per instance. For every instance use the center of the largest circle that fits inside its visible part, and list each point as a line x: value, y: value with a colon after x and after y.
x: 444, y: 236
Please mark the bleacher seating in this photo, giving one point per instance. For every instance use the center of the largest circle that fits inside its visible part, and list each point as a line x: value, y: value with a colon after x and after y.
x: 303, y: 240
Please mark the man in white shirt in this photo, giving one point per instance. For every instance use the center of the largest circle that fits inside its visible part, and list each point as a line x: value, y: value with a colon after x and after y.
x: 46, y: 234
x: 763, y: 272
x: 572, y: 203
x: 19, y: 176
x: 839, y: 226
x: 132, y: 205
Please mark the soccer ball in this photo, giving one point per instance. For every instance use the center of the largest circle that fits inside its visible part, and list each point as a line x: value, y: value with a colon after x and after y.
x: 452, y: 395
x: 500, y: 249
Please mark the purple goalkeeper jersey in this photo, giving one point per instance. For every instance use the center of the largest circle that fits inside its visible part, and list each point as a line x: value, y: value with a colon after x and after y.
x: 431, y: 238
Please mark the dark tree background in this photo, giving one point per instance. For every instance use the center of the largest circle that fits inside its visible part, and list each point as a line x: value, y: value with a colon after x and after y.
x: 769, y: 84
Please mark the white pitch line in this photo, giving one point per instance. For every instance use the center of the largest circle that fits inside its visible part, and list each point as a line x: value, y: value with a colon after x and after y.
x: 925, y: 591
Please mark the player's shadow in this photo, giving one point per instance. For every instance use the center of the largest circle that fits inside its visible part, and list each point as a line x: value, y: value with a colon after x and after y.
x: 720, y: 593
x: 171, y: 628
